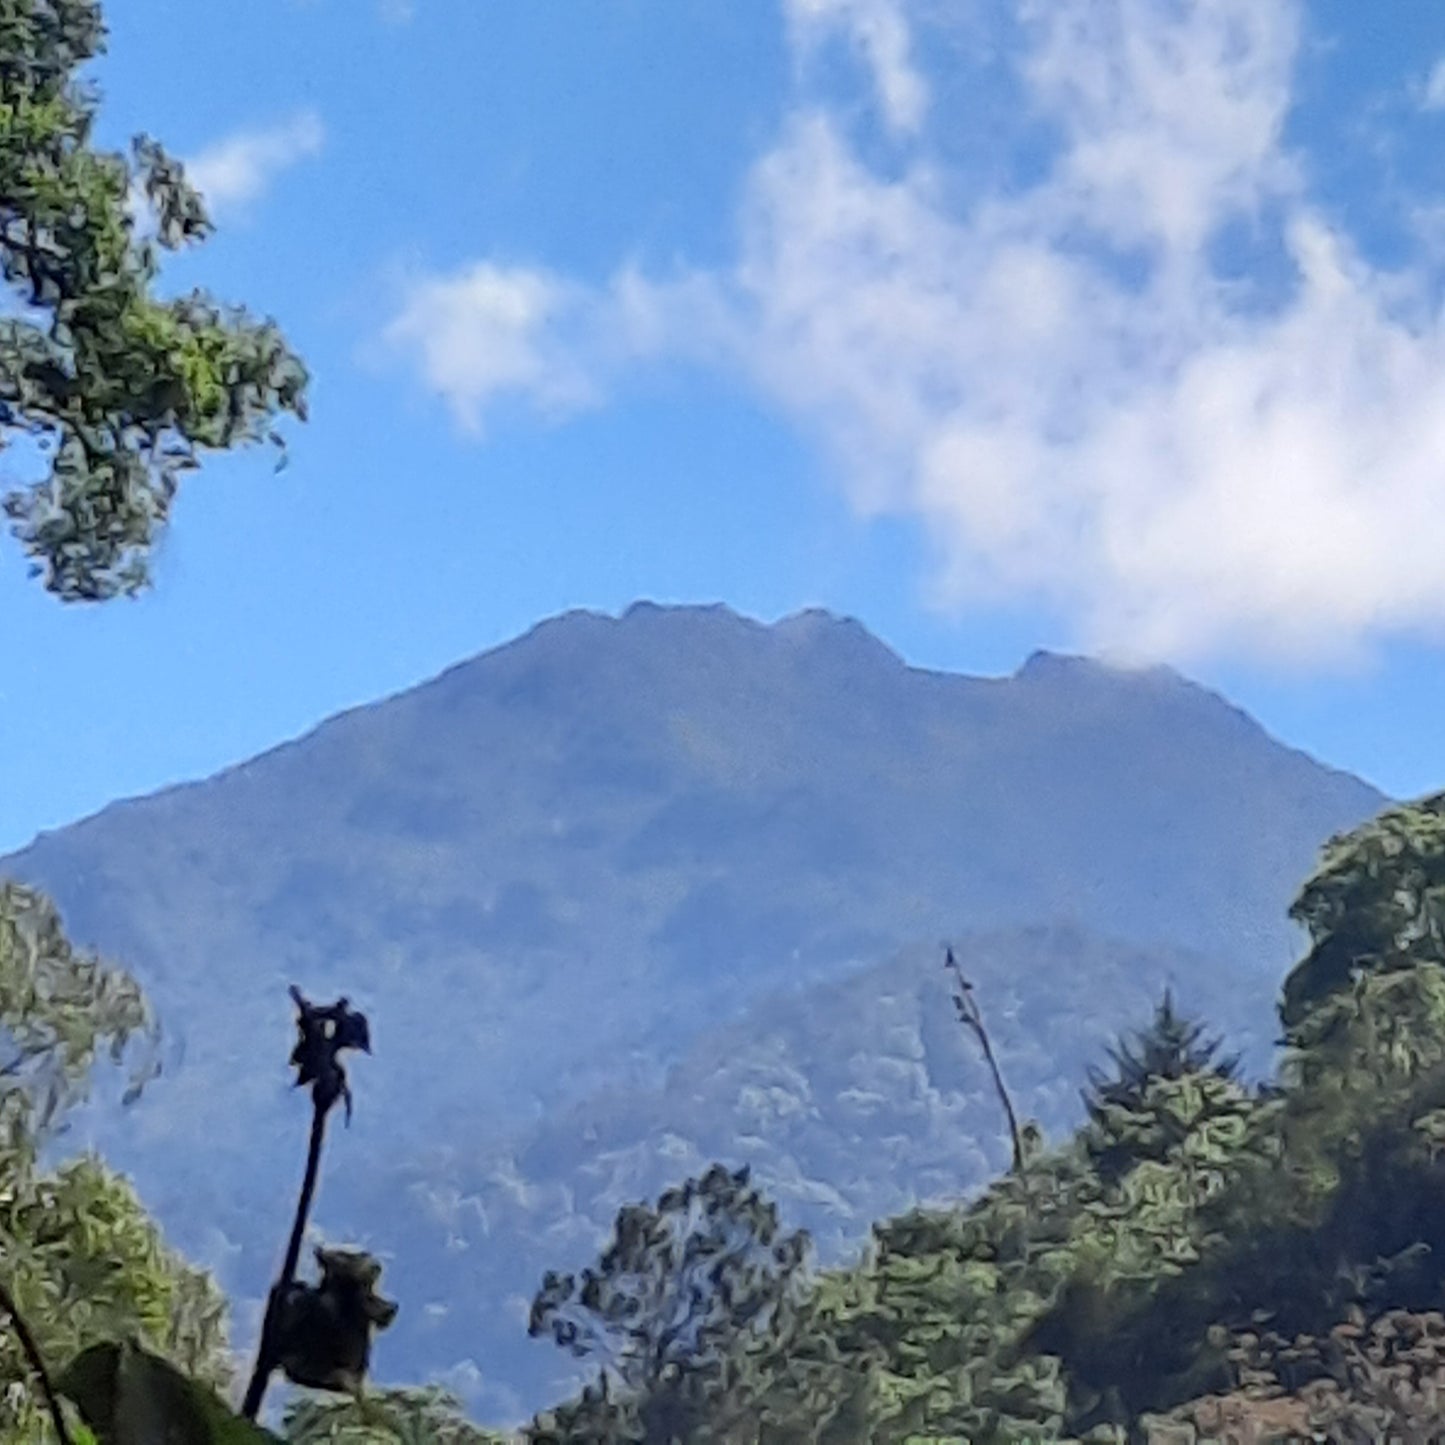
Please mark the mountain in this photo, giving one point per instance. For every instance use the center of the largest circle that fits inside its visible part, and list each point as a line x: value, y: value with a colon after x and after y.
x: 628, y: 893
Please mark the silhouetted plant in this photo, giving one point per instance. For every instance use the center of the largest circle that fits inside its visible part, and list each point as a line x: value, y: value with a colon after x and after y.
x: 971, y: 1016
x: 320, y: 1334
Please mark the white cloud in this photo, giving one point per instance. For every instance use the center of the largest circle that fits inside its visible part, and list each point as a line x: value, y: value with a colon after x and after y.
x: 488, y: 332
x: 236, y: 171
x: 491, y: 330
x: 879, y: 31
x: 1432, y: 97
x: 1051, y: 376
x: 1170, y: 113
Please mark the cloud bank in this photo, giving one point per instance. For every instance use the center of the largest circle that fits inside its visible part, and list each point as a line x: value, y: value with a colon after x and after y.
x: 1065, y: 375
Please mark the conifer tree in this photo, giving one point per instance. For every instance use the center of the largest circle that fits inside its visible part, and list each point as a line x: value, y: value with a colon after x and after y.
x: 1130, y: 1113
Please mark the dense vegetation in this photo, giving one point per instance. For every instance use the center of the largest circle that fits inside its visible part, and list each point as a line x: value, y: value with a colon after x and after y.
x: 1202, y: 1259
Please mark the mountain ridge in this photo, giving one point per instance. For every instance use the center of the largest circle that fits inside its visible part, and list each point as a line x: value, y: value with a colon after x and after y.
x: 1042, y: 665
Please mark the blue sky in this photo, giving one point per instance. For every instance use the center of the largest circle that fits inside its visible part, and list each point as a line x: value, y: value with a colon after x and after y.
x: 1102, y: 325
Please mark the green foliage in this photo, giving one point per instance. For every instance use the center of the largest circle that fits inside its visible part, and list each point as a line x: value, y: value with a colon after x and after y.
x: 121, y: 388
x: 58, y: 1008
x: 81, y: 1258
x: 1328, y: 1204
x: 84, y: 1262
x: 1132, y: 1114
x: 1376, y: 903
x: 1129, y: 1323
x: 1003, y: 1320
x: 688, y: 1313
x: 129, y: 1396
x: 1024, y: 1315
x: 1339, y: 1208
x: 427, y: 1415
x: 940, y: 1311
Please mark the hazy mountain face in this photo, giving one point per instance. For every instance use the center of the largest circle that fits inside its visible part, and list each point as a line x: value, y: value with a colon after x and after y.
x: 626, y: 894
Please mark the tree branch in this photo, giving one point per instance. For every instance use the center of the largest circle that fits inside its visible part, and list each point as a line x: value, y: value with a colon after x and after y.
x: 32, y: 1354
x: 968, y: 1012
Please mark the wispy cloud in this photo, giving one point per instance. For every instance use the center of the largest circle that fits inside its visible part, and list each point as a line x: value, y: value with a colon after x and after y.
x: 879, y: 31
x: 1432, y: 93
x: 236, y: 171
x: 488, y: 333
x: 1054, y: 376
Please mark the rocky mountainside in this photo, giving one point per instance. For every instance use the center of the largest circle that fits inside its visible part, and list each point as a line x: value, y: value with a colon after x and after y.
x: 629, y: 893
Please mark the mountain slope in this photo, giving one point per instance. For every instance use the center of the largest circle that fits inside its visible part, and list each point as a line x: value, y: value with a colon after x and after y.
x: 572, y: 863
x: 853, y: 1098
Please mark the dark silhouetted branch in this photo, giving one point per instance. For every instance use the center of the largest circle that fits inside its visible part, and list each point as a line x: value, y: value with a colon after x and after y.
x: 969, y: 1014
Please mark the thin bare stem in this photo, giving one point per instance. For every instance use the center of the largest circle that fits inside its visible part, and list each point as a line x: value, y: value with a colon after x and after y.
x: 32, y: 1353
x: 266, y: 1360
x: 969, y: 1013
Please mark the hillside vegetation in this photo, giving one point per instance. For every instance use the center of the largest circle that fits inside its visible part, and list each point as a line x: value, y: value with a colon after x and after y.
x: 1200, y: 1259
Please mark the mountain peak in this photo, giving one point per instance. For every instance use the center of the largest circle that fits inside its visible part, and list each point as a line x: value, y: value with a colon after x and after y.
x: 1043, y: 665
x: 645, y: 612
x: 815, y: 631
x: 816, y: 628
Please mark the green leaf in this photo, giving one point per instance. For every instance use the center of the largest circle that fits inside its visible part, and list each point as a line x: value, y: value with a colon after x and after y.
x: 129, y: 1396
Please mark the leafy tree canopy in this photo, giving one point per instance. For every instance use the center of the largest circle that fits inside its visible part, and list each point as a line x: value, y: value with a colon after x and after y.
x: 1375, y: 903
x: 59, y: 1008
x: 684, y: 1313
x: 81, y: 1257
x: 1025, y: 1314
x: 119, y: 389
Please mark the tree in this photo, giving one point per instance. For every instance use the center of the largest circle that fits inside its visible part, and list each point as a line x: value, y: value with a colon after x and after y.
x: 120, y: 390
x: 680, y: 1306
x: 80, y: 1256
x: 936, y: 1316
x: 1375, y: 903
x: 1323, y: 1196
x: 1130, y: 1114
x: 1014, y: 1316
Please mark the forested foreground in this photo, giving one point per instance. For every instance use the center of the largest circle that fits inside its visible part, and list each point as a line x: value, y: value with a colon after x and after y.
x: 1202, y: 1260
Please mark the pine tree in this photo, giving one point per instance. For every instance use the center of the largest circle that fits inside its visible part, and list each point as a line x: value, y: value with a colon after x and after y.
x: 1129, y: 1114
